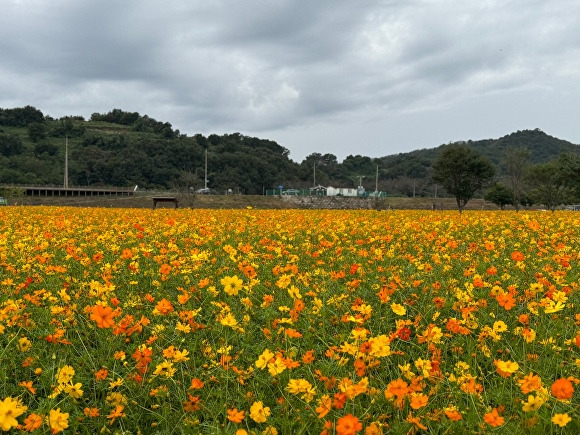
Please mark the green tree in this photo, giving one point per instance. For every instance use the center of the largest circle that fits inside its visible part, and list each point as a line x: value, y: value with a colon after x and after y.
x: 36, y: 131
x: 10, y: 145
x: 569, y: 169
x: 516, y: 163
x: 549, y: 186
x: 500, y: 195
x: 462, y: 172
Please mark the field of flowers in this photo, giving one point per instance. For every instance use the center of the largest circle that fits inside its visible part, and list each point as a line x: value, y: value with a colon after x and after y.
x: 235, y: 321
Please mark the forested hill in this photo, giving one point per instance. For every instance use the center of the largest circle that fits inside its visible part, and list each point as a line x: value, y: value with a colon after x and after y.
x: 121, y: 148
x: 542, y: 148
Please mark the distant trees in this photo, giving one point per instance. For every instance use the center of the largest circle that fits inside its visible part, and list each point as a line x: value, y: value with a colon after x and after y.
x: 548, y: 186
x: 137, y: 122
x: 126, y: 148
x: 20, y: 116
x: 462, y: 172
x: 36, y: 131
x: 10, y: 145
x: 500, y: 195
x: 569, y: 169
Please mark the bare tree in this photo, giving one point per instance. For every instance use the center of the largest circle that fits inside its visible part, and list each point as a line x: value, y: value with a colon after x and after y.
x: 185, y: 185
x: 516, y: 164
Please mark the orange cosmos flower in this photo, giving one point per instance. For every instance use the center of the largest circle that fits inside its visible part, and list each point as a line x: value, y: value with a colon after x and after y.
x: 192, y: 404
x: 235, y: 416
x: 196, y: 383
x: 308, y: 356
x: 338, y: 400
x: 452, y: 413
x: 530, y: 383
x: 493, y: 418
x: 416, y: 421
x: 324, y: 405
x: 517, y: 256
x: 348, y: 425
x: 506, y: 300
x: 103, y: 316
x: 396, y: 388
x: 419, y: 400
x: 562, y: 389
x: 116, y: 413
x: 163, y: 307
x: 91, y: 412
x: 28, y: 386
x: 292, y: 333
x: 32, y: 422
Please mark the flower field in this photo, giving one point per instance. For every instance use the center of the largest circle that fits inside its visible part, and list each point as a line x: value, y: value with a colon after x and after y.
x: 235, y: 321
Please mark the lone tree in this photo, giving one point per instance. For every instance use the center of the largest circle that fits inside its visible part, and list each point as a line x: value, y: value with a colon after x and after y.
x: 462, y: 172
x: 500, y: 195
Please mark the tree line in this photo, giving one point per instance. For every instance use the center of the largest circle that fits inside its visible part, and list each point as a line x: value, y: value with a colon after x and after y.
x: 464, y: 172
x: 120, y: 148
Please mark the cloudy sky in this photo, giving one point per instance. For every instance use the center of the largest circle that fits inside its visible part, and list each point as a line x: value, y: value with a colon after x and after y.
x: 332, y: 76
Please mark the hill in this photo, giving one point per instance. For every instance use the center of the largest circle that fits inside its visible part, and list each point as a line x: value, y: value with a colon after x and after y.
x: 121, y: 148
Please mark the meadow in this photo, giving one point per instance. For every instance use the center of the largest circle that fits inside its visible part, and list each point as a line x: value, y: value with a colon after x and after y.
x: 288, y: 321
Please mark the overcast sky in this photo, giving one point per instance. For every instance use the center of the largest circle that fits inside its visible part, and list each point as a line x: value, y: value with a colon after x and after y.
x: 332, y: 76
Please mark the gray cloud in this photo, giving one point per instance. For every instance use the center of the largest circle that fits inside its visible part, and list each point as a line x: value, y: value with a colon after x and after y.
x: 311, y: 75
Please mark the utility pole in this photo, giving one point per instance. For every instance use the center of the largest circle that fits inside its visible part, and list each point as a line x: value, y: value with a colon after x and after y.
x: 66, y: 162
x: 377, y: 181
x: 205, y: 177
x: 314, y: 174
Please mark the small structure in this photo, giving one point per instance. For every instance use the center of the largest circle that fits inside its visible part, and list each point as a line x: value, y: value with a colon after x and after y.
x: 318, y: 190
x: 3, y: 201
x: 341, y: 191
x: 172, y: 199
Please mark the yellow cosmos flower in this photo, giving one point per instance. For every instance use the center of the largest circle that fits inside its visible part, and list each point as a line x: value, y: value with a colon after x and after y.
x: 533, y: 403
x: 506, y: 368
x: 301, y: 386
x: 380, y: 346
x: 561, y: 419
x: 24, y: 344
x: 10, y: 409
x: 258, y: 412
x: 554, y: 307
x: 65, y: 374
x: 276, y: 367
x: 264, y: 359
x: 165, y: 369
x: 58, y: 421
x: 74, y: 391
x: 499, y: 326
x: 229, y: 320
x: 232, y: 284
x: 398, y: 309
x: 424, y: 366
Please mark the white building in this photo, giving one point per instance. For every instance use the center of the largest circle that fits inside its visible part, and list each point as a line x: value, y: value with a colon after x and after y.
x: 341, y: 191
